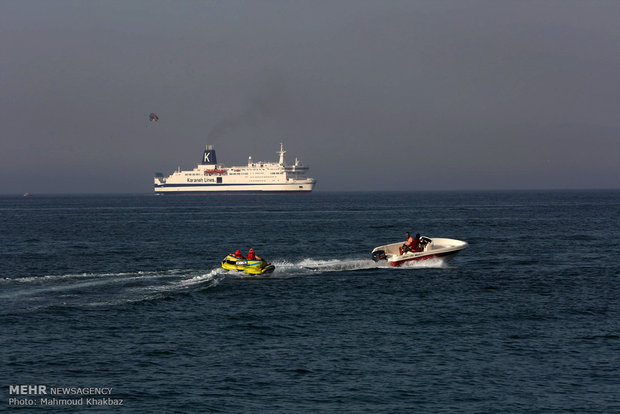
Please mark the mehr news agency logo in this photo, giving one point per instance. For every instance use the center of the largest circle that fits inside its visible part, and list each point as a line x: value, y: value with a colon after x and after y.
x: 45, y: 396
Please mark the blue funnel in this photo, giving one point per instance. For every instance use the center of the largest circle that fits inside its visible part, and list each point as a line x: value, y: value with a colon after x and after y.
x: 208, y: 157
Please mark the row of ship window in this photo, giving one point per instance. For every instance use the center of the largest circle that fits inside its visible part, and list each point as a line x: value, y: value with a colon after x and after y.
x: 233, y: 173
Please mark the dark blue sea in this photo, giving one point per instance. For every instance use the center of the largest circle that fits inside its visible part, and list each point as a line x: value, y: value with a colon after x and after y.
x: 125, y: 293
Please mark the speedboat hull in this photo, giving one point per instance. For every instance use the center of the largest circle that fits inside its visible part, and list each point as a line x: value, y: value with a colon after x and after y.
x: 437, y: 248
x: 251, y: 267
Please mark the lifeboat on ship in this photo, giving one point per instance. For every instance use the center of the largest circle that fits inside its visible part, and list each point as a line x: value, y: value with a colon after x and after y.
x: 435, y: 248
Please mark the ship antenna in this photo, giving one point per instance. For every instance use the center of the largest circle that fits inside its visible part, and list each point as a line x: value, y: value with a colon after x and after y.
x: 281, y: 152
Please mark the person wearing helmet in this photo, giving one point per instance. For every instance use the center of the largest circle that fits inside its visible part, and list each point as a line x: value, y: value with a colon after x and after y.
x: 238, y: 254
x: 252, y: 255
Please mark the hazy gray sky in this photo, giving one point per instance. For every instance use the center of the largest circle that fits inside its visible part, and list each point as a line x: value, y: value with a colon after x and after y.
x: 373, y: 95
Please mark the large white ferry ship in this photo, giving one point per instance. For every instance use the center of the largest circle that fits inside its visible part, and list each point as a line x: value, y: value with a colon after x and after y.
x: 256, y: 177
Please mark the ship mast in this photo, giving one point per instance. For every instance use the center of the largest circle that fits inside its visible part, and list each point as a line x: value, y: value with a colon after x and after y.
x: 281, y: 152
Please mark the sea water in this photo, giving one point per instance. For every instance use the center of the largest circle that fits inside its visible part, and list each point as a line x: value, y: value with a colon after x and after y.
x: 126, y: 293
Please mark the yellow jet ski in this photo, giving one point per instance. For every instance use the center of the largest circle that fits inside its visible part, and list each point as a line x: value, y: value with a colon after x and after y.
x: 251, y: 267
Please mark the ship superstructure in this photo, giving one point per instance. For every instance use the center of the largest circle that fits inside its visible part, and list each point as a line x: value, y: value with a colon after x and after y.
x: 256, y: 177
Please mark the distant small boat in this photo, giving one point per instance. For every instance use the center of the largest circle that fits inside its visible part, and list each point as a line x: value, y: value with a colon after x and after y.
x: 27, y: 194
x: 444, y: 249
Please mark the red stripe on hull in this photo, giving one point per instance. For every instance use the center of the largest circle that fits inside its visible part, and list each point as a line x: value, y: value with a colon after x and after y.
x: 419, y: 258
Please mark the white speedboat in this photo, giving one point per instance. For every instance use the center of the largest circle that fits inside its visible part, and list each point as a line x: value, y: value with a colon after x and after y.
x: 436, y: 248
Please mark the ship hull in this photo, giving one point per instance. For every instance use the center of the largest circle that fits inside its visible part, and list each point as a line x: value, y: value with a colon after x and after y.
x: 183, y: 189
